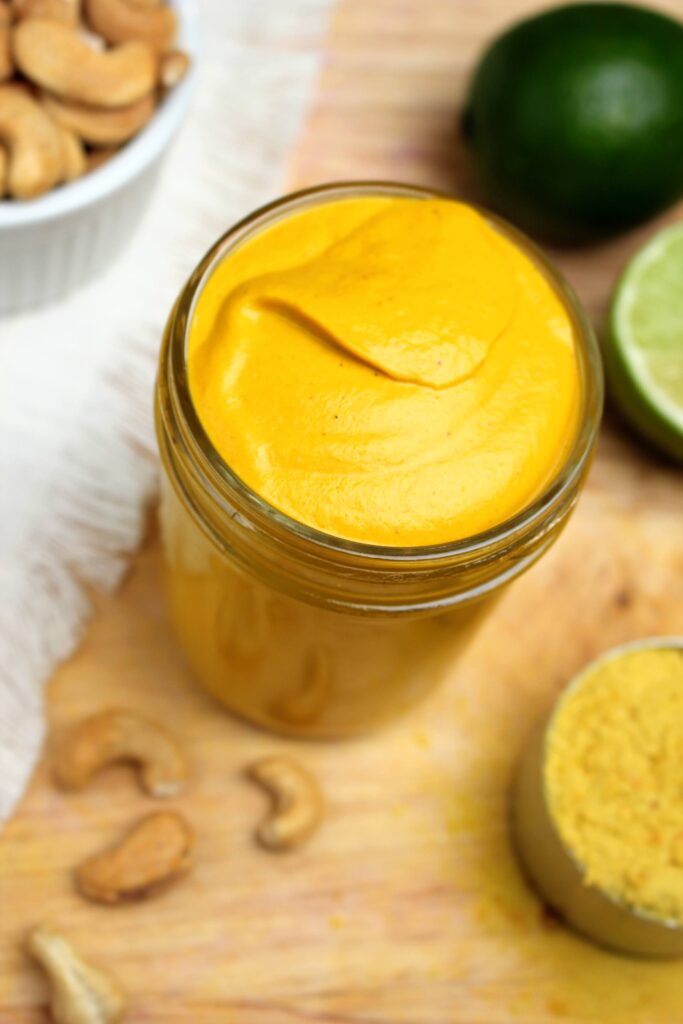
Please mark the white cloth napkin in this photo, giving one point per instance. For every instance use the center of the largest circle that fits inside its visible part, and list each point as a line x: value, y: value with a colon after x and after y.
x: 77, y: 453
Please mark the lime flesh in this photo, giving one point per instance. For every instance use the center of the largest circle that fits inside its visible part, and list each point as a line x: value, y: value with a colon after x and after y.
x: 645, y: 345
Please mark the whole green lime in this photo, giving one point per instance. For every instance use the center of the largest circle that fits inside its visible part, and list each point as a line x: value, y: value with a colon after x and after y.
x: 575, y: 119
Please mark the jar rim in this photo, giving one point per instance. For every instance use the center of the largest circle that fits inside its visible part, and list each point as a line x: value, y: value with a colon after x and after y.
x: 226, y: 481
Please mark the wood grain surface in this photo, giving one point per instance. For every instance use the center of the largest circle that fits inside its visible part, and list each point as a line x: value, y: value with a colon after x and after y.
x: 408, y: 906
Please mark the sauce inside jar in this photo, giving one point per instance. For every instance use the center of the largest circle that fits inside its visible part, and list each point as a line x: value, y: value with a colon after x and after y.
x: 386, y: 370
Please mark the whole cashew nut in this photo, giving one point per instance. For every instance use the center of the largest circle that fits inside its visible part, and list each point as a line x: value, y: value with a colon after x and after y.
x: 120, y: 21
x: 33, y: 142
x: 56, y: 57
x: 153, y: 854
x: 101, y: 127
x: 119, y: 735
x: 81, y: 993
x: 60, y: 10
x: 297, y: 802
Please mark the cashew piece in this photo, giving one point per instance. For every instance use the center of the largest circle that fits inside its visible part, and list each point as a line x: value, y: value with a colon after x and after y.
x: 120, y: 735
x: 297, y: 802
x: 153, y: 854
x: 4, y: 171
x: 59, y: 10
x: 101, y: 127
x: 56, y: 57
x: 99, y: 157
x: 81, y: 992
x: 75, y: 160
x: 119, y: 21
x: 6, y: 59
x: 6, y: 62
x: 173, y: 67
x: 33, y: 142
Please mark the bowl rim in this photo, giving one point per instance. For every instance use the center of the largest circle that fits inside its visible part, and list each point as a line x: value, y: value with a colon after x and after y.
x: 135, y: 157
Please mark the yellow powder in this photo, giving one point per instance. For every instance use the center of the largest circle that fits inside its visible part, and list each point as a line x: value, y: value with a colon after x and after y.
x: 614, y: 778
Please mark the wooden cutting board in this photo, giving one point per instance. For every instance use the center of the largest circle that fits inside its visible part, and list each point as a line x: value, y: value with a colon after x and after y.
x: 408, y: 906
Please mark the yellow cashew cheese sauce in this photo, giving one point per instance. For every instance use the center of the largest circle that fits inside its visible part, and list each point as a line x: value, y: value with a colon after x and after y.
x: 388, y: 370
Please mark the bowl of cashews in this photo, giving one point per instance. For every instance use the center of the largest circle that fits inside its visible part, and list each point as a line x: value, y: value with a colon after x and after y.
x: 92, y: 93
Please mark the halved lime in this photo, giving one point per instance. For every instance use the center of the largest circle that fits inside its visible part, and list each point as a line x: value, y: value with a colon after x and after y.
x: 644, y: 350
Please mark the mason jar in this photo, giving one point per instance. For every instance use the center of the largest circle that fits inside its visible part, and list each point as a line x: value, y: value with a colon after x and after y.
x: 303, y: 632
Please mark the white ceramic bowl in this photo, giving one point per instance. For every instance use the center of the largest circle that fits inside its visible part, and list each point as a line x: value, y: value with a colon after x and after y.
x: 50, y: 245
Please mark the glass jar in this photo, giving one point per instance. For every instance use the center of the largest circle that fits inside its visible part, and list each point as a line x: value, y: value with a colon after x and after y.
x: 306, y: 633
